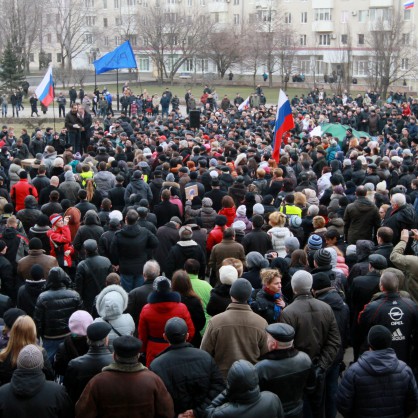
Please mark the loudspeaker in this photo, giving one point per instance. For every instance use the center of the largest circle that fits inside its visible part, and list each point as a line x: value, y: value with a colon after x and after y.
x: 195, y: 119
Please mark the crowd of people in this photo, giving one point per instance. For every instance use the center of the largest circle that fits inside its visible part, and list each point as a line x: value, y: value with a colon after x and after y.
x: 153, y: 269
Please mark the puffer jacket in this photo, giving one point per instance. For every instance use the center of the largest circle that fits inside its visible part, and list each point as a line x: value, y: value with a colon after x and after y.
x: 230, y: 214
x: 206, y: 214
x: 110, y: 304
x: 378, y: 385
x: 278, y: 235
x: 92, y: 229
x: 243, y: 398
x: 248, y: 223
x: 55, y: 306
x: 30, y: 214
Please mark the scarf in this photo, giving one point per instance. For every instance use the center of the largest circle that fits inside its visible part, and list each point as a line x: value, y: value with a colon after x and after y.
x: 277, y: 308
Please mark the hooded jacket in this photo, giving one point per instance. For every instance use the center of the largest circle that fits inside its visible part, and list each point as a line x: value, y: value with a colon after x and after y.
x: 138, y: 187
x: 30, y: 214
x: 55, y: 306
x: 30, y: 393
x: 243, y: 398
x: 278, y: 235
x: 378, y: 385
x: 110, y: 304
x: 92, y: 229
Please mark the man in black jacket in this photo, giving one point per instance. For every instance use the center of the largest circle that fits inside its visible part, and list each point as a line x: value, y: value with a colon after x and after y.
x: 190, y: 375
x: 116, y: 195
x: 91, y: 274
x: 398, y: 314
x: 81, y: 369
x: 284, y: 370
x: 73, y: 123
x: 129, y: 250
x: 138, y: 297
x: 165, y: 210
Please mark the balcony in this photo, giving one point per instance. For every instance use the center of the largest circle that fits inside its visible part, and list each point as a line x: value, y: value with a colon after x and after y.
x: 323, y: 26
x: 215, y: 7
x: 381, y: 3
x: 323, y: 4
x: 379, y: 26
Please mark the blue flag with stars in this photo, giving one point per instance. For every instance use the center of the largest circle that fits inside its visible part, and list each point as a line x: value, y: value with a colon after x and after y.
x: 121, y: 57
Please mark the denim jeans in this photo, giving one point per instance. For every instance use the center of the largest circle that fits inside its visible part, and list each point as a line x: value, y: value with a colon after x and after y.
x: 331, y: 386
x: 131, y: 281
x: 51, y: 347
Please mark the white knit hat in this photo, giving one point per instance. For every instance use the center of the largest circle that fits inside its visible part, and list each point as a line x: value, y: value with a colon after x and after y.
x: 301, y: 281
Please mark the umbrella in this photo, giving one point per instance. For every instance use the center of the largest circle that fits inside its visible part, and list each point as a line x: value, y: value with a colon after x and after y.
x: 337, y: 130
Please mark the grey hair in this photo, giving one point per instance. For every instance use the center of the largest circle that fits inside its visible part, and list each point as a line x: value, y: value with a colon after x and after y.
x: 151, y: 270
x: 399, y: 199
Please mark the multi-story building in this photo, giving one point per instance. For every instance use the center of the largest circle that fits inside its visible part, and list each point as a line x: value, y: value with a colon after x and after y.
x: 329, y: 37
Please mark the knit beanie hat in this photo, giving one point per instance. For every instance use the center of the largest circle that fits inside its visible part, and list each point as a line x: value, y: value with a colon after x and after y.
x: 351, y: 250
x: 295, y: 221
x: 322, y: 258
x: 258, y: 209
x: 228, y: 274
x: 10, y: 316
x: 36, y: 272
x: 54, y: 218
x: 315, y: 242
x: 291, y: 243
x: 79, y: 321
x: 241, y: 290
x: 379, y: 337
x: 381, y: 187
x: 242, y: 210
x: 321, y: 281
x: 207, y: 202
x: 255, y: 259
x: 116, y: 214
x: 30, y: 358
x: 161, y: 284
x: 170, y: 177
x: 301, y: 282
x: 35, y: 244
x: 239, y: 226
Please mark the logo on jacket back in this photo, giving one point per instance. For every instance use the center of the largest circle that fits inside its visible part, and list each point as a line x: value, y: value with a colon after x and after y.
x: 397, y: 335
x: 396, y: 314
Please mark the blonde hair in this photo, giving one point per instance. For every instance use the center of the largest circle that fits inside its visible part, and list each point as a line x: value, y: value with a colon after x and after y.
x: 318, y: 222
x: 300, y: 199
x: 268, y: 275
x: 234, y: 262
x: 90, y: 188
x: 23, y: 333
x: 277, y: 219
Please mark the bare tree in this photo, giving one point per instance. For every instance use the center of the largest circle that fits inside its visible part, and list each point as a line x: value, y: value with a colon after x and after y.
x: 253, y: 53
x: 21, y: 25
x: 393, y: 52
x: 224, y: 49
x: 173, y: 38
x: 73, y: 34
x: 63, y: 75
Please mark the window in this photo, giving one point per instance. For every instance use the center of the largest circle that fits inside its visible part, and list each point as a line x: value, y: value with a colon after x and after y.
x: 59, y: 57
x: 31, y: 57
x: 361, y: 39
x: 105, y: 22
x: 404, y: 64
x: 171, y: 1
x: 203, y: 2
x: 360, y: 68
x: 216, y: 17
x: 131, y: 2
x: 362, y: 15
x: 143, y: 64
x: 325, y: 39
x: 288, y: 18
x: 320, y: 67
x: 287, y: 40
x: 407, y: 14
x: 302, y: 40
x: 405, y: 39
x: 379, y: 15
x: 236, y: 2
x: 132, y: 39
x: 344, y: 39
x: 89, y: 38
x: 236, y: 19
x: 202, y: 65
x: 304, y: 17
x: 89, y: 3
x: 104, y: 4
x: 190, y: 2
x: 344, y: 16
x: 49, y: 38
x: 118, y: 21
x: 118, y: 40
x: 49, y: 56
x: 106, y: 41
x: 170, y: 17
x: 116, y: 4
x: 90, y: 20
x: 305, y: 66
x: 322, y: 14
x: 188, y: 65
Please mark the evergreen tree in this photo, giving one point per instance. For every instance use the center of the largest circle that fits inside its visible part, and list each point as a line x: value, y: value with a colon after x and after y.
x: 11, y: 73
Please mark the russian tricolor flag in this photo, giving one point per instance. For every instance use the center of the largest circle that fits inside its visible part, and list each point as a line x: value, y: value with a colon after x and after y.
x: 284, y: 123
x: 244, y: 105
x: 45, y: 90
x: 409, y: 5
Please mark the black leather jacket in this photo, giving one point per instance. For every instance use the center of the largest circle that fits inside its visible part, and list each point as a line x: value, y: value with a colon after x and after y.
x: 55, y: 306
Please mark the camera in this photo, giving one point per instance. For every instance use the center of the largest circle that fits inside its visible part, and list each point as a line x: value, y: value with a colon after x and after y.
x: 411, y: 234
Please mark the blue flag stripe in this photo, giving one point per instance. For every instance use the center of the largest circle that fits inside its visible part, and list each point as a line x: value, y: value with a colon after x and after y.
x: 121, y: 57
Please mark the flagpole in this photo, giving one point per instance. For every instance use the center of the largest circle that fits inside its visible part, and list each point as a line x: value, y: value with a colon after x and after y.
x: 117, y: 89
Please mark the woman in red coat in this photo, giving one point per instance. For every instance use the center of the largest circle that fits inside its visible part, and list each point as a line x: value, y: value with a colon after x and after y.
x: 162, y: 305
x: 60, y: 240
x: 228, y: 210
